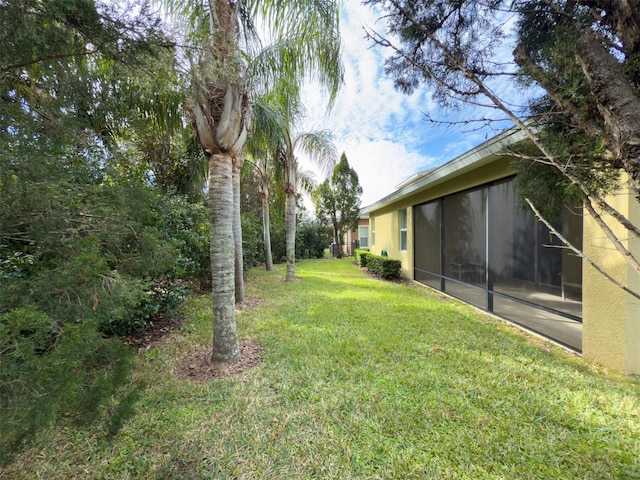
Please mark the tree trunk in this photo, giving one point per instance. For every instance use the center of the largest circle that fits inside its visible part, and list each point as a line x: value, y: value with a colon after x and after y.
x: 336, y: 240
x: 225, y: 339
x: 237, y: 230
x: 618, y: 103
x: 266, y: 221
x: 290, y: 227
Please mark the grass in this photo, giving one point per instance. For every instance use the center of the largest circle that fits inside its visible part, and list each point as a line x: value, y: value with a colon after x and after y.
x: 361, y: 379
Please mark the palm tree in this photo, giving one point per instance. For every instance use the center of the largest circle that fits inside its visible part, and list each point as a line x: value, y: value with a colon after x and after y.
x: 318, y: 146
x: 264, y: 185
x: 266, y: 133
x: 237, y: 229
x: 231, y: 67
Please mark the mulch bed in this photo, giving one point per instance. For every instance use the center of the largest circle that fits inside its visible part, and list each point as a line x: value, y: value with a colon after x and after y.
x: 196, y: 365
x: 162, y: 326
x: 401, y: 280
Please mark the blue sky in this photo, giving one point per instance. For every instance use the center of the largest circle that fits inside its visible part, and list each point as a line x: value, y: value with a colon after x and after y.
x: 383, y: 132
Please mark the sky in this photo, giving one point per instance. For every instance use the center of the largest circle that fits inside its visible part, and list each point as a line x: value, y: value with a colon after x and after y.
x: 383, y: 132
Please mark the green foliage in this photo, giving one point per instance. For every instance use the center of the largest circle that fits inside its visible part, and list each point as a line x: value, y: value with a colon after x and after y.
x: 312, y: 238
x: 384, y: 267
x: 47, y: 369
x: 186, y: 227
x: 82, y: 234
x: 278, y: 240
x: 584, y: 156
x: 338, y: 201
x: 124, y: 262
x: 252, y: 241
x: 87, y: 246
x: 361, y: 256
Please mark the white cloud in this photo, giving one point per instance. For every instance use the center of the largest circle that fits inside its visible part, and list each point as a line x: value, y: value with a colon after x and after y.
x: 381, y: 165
x: 373, y: 123
x: 383, y: 132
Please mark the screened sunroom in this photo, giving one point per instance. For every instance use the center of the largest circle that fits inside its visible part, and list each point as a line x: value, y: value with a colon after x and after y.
x: 480, y: 246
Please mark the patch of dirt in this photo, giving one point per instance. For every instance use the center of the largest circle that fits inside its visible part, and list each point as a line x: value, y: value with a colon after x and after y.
x: 197, y: 366
x: 250, y: 302
x: 401, y: 280
x: 162, y: 326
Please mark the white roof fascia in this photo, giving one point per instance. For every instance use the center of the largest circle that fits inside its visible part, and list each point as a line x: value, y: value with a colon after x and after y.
x: 474, y: 158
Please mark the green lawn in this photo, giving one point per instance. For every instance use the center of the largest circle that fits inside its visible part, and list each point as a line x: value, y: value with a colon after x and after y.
x: 361, y: 379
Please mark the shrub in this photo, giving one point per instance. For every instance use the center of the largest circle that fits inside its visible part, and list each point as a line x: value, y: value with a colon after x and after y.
x: 384, y: 267
x: 47, y: 370
x: 361, y: 255
x: 278, y: 240
x: 130, y: 259
x: 186, y: 228
x: 312, y: 238
x: 252, y: 240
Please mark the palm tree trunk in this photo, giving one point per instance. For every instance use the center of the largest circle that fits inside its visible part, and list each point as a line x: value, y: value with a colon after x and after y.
x: 225, y: 340
x: 290, y: 227
x: 266, y: 221
x: 237, y: 230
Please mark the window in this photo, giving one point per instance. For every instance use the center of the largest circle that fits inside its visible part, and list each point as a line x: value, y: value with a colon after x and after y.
x: 403, y: 229
x: 373, y: 231
x: 363, y: 236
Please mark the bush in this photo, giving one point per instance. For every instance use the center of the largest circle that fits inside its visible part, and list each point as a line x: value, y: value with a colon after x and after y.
x: 47, y: 370
x: 186, y: 228
x: 252, y: 241
x: 278, y: 241
x: 384, y: 267
x: 361, y: 255
x: 131, y: 258
x: 312, y: 238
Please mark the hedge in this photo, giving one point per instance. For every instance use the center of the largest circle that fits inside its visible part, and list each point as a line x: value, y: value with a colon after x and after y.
x: 384, y: 267
x: 361, y: 255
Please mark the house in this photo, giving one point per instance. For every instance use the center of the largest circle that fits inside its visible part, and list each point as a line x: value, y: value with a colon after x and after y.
x: 458, y: 229
x: 358, y: 238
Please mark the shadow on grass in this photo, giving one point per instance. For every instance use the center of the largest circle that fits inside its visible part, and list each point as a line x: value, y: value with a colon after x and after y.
x: 74, y: 373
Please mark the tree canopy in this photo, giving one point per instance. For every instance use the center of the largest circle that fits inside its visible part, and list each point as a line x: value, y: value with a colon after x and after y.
x: 582, y: 55
x: 337, y: 201
x: 90, y: 248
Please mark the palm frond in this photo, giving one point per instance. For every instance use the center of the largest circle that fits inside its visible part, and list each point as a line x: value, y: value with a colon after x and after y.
x: 319, y: 148
x: 307, y: 181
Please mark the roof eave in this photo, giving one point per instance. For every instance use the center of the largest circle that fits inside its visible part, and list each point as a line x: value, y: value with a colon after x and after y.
x: 474, y: 158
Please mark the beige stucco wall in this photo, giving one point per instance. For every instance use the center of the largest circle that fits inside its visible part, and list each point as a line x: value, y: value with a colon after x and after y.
x: 611, y: 317
x: 388, y: 238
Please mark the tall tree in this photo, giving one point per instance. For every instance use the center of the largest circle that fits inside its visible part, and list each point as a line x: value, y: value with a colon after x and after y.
x: 86, y: 239
x: 319, y: 147
x: 338, y: 200
x: 262, y: 148
x: 231, y: 68
x: 584, y: 54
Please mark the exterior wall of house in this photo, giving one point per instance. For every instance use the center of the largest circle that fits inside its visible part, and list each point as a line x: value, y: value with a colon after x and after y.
x: 388, y: 219
x: 388, y: 237
x: 350, y: 237
x: 611, y: 318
